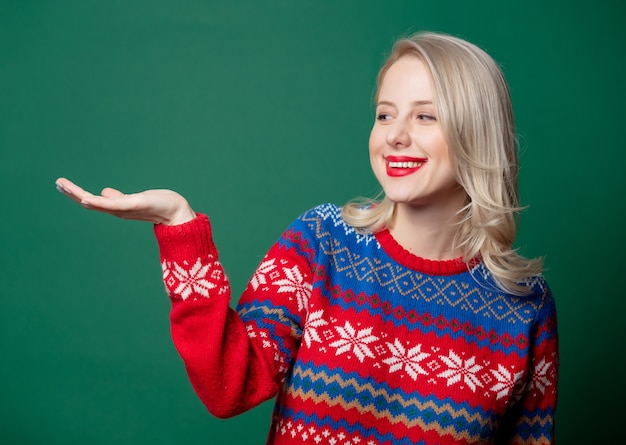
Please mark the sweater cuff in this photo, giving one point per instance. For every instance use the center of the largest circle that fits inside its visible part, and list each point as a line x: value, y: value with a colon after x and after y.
x: 187, y: 241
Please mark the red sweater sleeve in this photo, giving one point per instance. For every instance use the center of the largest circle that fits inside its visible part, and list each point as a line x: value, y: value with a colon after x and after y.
x: 233, y: 361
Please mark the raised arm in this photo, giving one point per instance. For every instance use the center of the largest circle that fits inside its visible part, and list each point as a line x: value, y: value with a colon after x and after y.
x: 156, y: 206
x: 234, y: 360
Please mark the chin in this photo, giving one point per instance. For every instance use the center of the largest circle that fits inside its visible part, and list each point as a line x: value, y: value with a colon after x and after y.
x: 401, y: 199
x: 400, y: 195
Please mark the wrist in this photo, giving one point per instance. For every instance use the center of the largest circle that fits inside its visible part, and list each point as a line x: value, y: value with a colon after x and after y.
x: 182, y: 214
x: 181, y: 217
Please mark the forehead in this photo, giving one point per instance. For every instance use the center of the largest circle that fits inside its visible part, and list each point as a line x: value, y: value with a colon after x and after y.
x: 408, y: 76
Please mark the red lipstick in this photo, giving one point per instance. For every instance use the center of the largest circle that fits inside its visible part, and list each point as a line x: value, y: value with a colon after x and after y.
x: 403, y: 165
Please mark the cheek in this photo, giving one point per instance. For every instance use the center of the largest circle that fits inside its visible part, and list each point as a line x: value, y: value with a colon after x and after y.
x: 449, y: 162
x: 375, y: 149
x: 438, y: 147
x: 375, y: 153
x: 375, y: 141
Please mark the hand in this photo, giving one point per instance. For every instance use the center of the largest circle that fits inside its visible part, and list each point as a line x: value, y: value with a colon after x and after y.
x: 156, y: 206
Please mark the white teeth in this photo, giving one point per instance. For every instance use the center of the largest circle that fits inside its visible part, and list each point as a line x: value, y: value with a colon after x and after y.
x: 405, y: 164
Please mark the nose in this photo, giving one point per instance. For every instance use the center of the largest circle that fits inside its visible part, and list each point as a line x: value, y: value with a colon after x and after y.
x: 398, y: 134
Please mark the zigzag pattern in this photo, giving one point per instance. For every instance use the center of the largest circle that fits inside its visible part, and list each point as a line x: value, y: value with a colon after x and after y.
x: 364, y: 348
x: 321, y: 385
x: 428, y: 289
x: 463, y: 423
x: 332, y: 212
x: 260, y: 314
x: 301, y: 421
x: 396, y: 279
x: 427, y: 323
x: 536, y: 429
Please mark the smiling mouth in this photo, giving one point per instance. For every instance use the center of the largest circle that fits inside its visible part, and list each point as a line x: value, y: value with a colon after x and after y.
x: 412, y: 164
x: 398, y: 166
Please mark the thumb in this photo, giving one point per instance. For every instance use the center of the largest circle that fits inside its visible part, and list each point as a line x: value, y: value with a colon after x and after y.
x: 109, y: 192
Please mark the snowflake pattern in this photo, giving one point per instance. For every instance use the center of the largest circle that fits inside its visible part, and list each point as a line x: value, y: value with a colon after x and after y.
x: 507, y: 381
x: 294, y: 283
x: 354, y: 341
x: 260, y: 275
x: 313, y: 322
x: 409, y: 360
x: 287, y: 279
x: 461, y: 370
x: 415, y: 361
x: 350, y: 335
x: 541, y: 378
x: 182, y: 280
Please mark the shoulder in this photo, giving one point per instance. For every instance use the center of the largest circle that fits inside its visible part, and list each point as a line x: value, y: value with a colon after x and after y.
x: 537, y: 303
x: 325, y: 221
x: 542, y: 295
x: 324, y: 212
x: 323, y: 215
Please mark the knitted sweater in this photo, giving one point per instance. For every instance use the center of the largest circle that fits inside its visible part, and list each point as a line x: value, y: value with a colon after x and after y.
x: 362, y: 342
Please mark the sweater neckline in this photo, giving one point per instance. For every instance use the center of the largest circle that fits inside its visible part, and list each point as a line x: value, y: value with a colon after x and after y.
x: 419, y: 264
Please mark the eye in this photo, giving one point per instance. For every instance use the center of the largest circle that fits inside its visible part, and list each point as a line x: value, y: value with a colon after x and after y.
x: 383, y: 116
x: 426, y: 117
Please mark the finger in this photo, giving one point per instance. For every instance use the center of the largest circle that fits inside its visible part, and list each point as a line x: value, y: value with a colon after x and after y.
x: 71, y: 190
x: 65, y: 183
x: 109, y: 192
x: 118, y: 205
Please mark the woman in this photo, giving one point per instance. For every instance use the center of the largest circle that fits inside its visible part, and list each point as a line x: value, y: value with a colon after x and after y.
x: 409, y: 320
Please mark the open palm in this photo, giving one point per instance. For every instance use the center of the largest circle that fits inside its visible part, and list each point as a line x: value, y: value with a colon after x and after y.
x: 156, y: 206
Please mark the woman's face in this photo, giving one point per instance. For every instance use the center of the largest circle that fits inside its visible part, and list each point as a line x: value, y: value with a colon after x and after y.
x: 408, y: 151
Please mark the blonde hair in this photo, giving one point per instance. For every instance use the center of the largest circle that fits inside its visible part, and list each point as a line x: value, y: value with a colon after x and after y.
x: 474, y: 109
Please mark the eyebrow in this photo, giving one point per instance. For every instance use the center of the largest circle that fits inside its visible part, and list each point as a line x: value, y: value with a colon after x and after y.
x: 414, y: 103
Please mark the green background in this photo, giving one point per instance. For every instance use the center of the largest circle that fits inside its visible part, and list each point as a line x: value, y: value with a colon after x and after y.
x: 256, y: 111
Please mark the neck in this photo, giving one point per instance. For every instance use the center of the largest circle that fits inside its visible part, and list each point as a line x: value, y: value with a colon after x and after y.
x: 427, y: 231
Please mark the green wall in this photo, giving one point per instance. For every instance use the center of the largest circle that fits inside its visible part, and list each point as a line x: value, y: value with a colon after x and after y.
x: 256, y: 111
